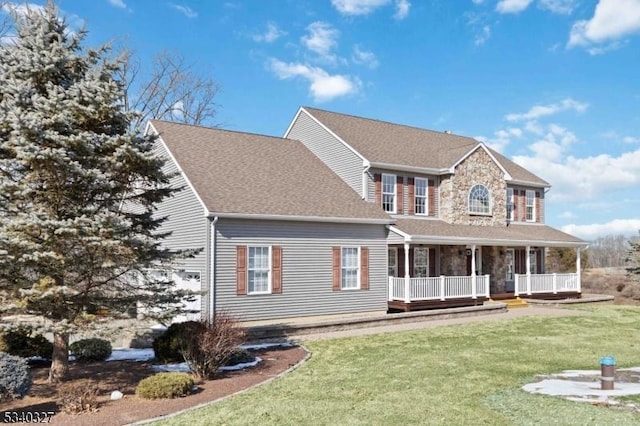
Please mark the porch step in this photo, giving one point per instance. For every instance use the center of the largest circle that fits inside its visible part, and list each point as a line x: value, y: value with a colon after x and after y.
x: 515, y: 303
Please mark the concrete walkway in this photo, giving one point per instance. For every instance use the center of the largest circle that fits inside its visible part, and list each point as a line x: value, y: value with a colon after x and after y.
x: 513, y: 313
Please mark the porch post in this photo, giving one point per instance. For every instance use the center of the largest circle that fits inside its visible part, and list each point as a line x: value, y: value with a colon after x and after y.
x: 527, y: 258
x: 474, y: 279
x: 578, y: 268
x: 407, y: 277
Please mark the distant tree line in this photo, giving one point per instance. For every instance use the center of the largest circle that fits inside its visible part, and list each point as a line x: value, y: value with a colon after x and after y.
x: 609, y: 251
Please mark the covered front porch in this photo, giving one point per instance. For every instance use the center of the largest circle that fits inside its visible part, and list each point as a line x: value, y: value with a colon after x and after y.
x: 428, y: 272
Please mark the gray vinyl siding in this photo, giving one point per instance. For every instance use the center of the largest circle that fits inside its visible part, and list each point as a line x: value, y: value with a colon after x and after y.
x: 188, y: 226
x: 344, y: 162
x: 307, y: 272
x: 393, y: 238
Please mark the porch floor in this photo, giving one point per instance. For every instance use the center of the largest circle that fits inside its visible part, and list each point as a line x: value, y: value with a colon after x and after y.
x: 401, y: 306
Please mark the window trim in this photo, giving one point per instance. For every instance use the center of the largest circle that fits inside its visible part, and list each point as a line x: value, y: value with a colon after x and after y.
x: 532, y: 206
x: 269, y: 271
x: 394, y: 178
x: 490, y: 201
x: 394, y: 250
x: 358, y: 269
x: 425, y: 196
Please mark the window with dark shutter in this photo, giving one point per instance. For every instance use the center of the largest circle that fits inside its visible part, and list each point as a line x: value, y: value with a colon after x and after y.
x: 241, y: 270
x: 337, y: 252
x: 364, y: 268
x: 276, y: 269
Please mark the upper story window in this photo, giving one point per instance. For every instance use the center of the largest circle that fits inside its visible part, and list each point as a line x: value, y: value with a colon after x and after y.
x: 510, y: 204
x: 389, y: 195
x: 421, y: 199
x: 531, y: 206
x: 479, y: 200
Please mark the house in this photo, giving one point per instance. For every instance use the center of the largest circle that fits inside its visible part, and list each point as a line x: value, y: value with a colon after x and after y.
x: 347, y: 215
x: 468, y: 222
x: 282, y: 235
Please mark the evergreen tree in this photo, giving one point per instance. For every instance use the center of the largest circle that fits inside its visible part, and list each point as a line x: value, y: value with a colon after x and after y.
x: 77, y: 186
x: 633, y: 258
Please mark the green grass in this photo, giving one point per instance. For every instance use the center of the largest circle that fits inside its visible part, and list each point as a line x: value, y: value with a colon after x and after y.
x: 456, y: 375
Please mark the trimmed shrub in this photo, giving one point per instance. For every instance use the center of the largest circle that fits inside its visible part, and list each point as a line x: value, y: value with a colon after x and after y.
x: 15, y: 380
x: 21, y: 341
x: 213, y: 345
x: 240, y: 356
x: 94, y: 349
x: 165, y: 385
x: 78, y: 397
x: 169, y: 346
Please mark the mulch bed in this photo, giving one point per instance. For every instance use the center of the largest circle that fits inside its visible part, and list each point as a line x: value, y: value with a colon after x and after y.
x: 125, y: 375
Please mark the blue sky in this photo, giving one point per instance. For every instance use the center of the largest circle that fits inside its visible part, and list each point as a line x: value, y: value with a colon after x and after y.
x: 552, y: 84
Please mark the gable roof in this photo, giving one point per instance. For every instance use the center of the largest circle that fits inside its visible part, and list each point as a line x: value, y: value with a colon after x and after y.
x: 248, y: 175
x: 396, y: 144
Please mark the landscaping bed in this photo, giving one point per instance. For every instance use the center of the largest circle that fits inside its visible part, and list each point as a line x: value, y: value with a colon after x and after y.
x: 125, y: 375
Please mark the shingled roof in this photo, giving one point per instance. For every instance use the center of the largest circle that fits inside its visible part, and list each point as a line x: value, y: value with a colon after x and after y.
x: 440, y: 232
x: 242, y: 173
x: 396, y: 144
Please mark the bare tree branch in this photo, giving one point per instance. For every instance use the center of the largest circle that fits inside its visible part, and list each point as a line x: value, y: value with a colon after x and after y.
x: 173, y: 91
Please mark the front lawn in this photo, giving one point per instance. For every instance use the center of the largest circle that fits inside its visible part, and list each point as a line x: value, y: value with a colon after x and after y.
x: 456, y: 375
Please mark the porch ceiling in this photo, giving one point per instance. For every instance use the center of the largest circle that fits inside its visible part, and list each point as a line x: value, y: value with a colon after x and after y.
x: 430, y: 231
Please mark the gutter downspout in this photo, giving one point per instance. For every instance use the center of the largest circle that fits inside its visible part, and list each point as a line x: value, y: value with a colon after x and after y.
x: 212, y: 269
x: 365, y: 180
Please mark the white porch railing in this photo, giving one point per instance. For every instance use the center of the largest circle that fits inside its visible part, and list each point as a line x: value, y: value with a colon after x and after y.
x: 546, y: 283
x: 438, y: 288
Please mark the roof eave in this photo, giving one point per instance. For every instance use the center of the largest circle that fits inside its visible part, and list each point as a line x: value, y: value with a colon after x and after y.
x: 413, y: 169
x: 530, y: 183
x: 298, y: 218
x: 428, y: 239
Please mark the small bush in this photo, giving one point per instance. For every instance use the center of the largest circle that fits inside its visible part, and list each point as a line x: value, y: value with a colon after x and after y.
x: 87, y: 350
x: 78, y: 397
x: 240, y: 356
x: 15, y: 380
x: 21, y: 341
x: 213, y: 345
x: 165, y: 385
x: 169, y: 346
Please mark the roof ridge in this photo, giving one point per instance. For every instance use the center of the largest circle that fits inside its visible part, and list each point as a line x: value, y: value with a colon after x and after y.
x: 221, y: 129
x: 392, y: 123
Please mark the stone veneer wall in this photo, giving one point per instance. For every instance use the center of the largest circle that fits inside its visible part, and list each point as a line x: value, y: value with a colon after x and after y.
x: 452, y: 263
x: 494, y: 264
x: 478, y: 168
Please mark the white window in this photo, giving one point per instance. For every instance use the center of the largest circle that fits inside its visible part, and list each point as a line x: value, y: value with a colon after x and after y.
x: 479, y: 200
x: 421, y: 198
x: 420, y: 262
x: 531, y: 206
x: 389, y: 193
x: 510, y: 205
x: 393, y: 262
x: 259, y: 271
x: 350, y: 268
x: 533, y: 261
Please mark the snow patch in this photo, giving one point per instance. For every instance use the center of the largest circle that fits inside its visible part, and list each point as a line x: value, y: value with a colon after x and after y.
x: 131, y: 355
x: 183, y: 367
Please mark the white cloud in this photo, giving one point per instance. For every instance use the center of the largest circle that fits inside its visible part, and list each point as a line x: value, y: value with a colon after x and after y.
x: 323, y: 86
x: 566, y: 215
x: 477, y: 1
x: 321, y: 39
x: 185, y: 10
x: 501, y: 138
x: 482, y: 36
x: 358, y: 7
x: 561, y: 7
x: 590, y: 232
x: 612, y: 21
x: 271, y: 34
x: 538, y: 111
x: 118, y: 3
x: 584, y: 178
x: 630, y: 139
x: 364, y: 57
x: 402, y: 9
x: 512, y: 6
x: 21, y: 9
